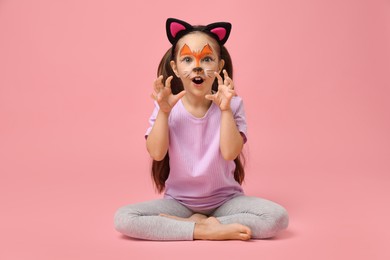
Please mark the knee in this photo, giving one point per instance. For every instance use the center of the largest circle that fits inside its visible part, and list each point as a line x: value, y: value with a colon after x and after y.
x: 271, y: 222
x: 122, y: 219
x: 281, y: 219
x: 278, y: 221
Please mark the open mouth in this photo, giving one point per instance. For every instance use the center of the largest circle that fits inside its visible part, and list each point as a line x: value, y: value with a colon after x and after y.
x: 197, y: 80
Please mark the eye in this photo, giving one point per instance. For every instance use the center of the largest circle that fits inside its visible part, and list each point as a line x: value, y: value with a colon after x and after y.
x: 187, y: 59
x: 207, y: 59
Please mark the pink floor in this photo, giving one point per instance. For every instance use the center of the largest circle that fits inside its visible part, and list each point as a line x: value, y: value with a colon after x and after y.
x: 58, y: 201
x: 75, y: 80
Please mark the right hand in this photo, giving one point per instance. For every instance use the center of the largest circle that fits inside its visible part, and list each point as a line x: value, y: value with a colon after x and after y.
x: 163, y: 94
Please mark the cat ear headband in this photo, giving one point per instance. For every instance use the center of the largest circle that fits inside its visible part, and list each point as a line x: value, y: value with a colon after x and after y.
x: 177, y: 28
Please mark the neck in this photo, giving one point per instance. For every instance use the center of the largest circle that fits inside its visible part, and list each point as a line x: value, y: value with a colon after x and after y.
x: 198, y: 107
x: 196, y: 102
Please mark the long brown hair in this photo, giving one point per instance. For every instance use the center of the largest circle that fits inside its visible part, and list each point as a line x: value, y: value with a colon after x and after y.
x: 160, y: 169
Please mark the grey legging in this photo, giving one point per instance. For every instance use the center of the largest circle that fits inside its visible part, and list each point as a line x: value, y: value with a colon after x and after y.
x: 265, y: 218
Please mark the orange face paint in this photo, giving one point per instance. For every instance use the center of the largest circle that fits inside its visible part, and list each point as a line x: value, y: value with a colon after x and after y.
x: 186, y: 51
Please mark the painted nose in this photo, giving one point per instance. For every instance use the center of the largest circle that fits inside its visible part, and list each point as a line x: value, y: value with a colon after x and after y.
x: 197, y: 69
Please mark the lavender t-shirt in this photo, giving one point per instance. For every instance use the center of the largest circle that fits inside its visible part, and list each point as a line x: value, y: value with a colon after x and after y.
x: 199, y: 177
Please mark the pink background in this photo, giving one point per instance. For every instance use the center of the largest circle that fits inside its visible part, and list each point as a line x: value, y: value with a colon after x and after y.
x: 75, y: 79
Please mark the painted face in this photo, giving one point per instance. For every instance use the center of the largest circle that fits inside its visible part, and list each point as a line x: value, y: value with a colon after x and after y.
x: 197, y: 60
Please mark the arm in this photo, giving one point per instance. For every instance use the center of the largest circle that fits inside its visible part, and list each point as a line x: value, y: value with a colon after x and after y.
x: 231, y: 141
x: 158, y: 140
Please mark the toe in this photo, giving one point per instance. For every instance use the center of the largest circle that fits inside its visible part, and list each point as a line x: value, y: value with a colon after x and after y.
x: 244, y: 236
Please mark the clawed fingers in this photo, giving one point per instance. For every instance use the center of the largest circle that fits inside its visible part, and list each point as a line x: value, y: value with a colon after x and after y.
x: 157, y: 84
x: 228, y: 81
x: 211, y: 97
x: 157, y: 87
x: 158, y: 81
x: 168, y: 82
x: 220, y: 80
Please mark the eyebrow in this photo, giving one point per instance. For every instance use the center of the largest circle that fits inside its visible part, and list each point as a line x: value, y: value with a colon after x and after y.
x: 198, y: 54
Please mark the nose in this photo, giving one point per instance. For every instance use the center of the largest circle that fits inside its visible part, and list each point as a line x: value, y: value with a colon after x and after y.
x: 197, y: 69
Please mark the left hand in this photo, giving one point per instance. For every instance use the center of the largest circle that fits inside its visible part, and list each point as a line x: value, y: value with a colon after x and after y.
x: 225, y: 92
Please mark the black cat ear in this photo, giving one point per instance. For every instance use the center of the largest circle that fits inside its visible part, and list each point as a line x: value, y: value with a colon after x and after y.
x: 174, y: 27
x: 221, y: 30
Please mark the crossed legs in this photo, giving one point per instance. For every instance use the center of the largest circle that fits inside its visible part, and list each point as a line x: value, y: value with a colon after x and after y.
x: 240, y: 218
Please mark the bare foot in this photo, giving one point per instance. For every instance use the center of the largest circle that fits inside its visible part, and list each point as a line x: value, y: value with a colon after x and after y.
x: 197, y: 218
x: 212, y: 229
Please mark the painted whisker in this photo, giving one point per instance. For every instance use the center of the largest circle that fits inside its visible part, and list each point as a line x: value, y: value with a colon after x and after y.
x: 187, y: 73
x: 209, y: 72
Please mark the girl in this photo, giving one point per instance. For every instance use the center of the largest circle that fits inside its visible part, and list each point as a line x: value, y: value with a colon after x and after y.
x: 196, y: 134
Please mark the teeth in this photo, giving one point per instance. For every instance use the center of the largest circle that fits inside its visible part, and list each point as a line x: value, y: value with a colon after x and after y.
x: 197, y: 80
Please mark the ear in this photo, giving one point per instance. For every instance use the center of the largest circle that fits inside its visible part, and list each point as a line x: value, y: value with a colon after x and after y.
x: 174, y: 68
x: 221, y: 30
x: 221, y: 65
x: 174, y: 26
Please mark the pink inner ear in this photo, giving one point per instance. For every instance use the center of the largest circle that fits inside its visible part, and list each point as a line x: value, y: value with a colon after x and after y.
x: 220, y: 32
x: 176, y: 27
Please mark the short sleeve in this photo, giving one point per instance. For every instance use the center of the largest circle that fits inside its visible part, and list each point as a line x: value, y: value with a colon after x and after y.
x: 152, y: 119
x: 239, y: 116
